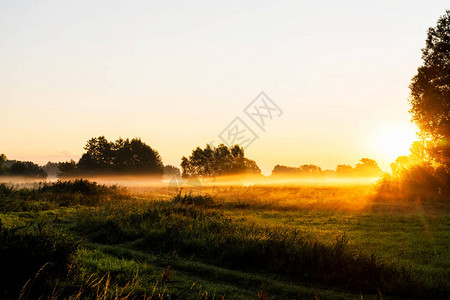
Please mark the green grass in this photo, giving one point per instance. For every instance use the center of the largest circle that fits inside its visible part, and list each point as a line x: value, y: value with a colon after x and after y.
x: 239, y: 242
x: 417, y: 241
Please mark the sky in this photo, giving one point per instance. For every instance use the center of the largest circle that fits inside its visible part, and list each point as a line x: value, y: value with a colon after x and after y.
x: 177, y: 73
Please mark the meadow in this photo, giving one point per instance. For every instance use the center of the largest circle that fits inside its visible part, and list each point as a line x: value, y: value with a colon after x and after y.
x: 82, y: 240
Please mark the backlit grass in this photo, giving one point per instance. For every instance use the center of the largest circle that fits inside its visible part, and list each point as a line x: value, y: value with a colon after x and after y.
x: 238, y: 242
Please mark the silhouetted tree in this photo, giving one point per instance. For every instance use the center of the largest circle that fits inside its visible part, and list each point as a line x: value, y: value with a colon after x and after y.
x: 401, y: 163
x: 218, y: 161
x: 430, y: 91
x: 367, y: 167
x: 285, y: 170
x: 135, y: 157
x: 170, y: 170
x: 130, y: 157
x: 425, y: 173
x: 98, y: 157
x: 310, y: 169
x: 27, y: 169
x: 415, y: 177
x: 2, y: 164
x: 51, y: 168
x: 303, y: 170
x: 344, y: 170
x: 68, y: 169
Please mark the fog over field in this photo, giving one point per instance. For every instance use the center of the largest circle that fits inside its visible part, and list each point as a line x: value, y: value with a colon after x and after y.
x: 247, y: 149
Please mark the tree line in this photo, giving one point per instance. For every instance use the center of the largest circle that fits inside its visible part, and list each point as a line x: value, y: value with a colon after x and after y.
x: 134, y: 157
x: 20, y: 168
x: 365, y: 168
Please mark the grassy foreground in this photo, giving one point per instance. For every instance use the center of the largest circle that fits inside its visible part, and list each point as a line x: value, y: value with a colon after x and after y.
x: 80, y: 240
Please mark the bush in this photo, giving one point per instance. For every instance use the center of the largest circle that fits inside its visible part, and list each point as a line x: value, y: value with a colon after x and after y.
x: 31, y: 259
x: 5, y: 190
x: 190, y: 199
x: 77, y: 186
x: 60, y: 193
x: 423, y: 182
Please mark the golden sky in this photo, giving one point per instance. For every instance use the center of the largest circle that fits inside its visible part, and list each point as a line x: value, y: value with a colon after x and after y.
x: 176, y: 74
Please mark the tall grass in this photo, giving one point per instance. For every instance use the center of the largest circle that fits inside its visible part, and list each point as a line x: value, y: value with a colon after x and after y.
x: 210, y: 229
x: 210, y: 236
x: 44, y: 195
x: 31, y: 259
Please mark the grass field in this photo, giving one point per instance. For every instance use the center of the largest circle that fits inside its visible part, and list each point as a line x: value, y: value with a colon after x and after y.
x: 239, y: 242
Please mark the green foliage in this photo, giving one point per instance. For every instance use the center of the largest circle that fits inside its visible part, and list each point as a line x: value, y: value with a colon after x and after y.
x: 218, y: 161
x: 430, y: 91
x: 234, y: 242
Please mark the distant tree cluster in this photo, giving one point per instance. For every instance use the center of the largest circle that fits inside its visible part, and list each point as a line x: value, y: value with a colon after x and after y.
x: 122, y: 157
x: 51, y: 168
x: 172, y: 171
x: 366, y: 168
x: 20, y: 168
x: 218, y: 161
x: 305, y: 170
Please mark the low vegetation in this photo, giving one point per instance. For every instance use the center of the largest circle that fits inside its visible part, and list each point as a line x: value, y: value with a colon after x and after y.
x: 40, y: 196
x: 80, y: 239
x: 20, y: 169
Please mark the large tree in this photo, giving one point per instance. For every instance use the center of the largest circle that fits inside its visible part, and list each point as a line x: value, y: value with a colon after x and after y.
x: 135, y: 157
x: 430, y: 91
x: 98, y: 157
x: 128, y: 157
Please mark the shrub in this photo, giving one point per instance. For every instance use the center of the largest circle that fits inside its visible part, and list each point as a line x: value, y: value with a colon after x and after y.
x: 190, y: 199
x: 77, y: 186
x: 30, y: 258
x: 60, y: 193
x: 423, y: 182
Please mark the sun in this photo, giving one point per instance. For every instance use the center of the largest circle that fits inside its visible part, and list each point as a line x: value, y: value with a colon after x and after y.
x: 393, y: 140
